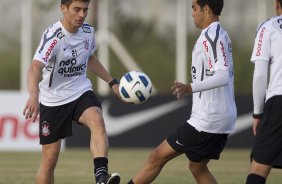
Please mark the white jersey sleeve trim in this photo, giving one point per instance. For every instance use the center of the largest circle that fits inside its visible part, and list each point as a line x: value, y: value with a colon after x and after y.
x: 259, y: 85
x: 219, y: 79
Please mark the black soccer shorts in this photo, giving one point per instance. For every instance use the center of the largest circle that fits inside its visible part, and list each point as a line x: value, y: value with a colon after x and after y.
x: 196, y: 145
x: 267, y: 148
x: 56, y: 122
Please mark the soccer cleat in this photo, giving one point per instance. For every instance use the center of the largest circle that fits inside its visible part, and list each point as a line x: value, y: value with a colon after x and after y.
x: 109, y: 179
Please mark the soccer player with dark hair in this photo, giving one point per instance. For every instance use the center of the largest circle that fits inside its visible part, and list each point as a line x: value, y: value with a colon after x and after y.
x: 204, y: 135
x: 57, y: 79
x: 267, y: 97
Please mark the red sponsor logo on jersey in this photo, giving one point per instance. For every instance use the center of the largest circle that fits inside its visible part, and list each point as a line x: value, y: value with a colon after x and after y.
x: 50, y: 49
x: 206, y: 45
x: 207, y: 50
x: 261, y: 34
x: 223, y: 53
x: 210, y: 63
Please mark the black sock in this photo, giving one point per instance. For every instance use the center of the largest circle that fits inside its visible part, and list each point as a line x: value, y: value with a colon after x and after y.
x: 130, y: 182
x: 100, y: 167
x: 255, y: 179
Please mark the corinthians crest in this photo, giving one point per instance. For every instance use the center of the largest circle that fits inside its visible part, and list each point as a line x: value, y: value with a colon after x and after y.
x: 45, y: 131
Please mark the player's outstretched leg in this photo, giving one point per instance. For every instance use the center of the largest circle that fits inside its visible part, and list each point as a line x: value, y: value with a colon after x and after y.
x: 156, y: 161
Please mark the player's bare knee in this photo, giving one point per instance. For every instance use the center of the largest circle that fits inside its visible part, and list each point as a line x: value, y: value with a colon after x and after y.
x: 50, y: 163
x: 96, y: 120
x: 97, y: 124
x: 197, y: 167
x: 155, y: 158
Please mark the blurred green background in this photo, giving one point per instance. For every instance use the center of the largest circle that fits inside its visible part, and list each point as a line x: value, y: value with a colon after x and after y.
x: 147, y: 31
x: 156, y: 60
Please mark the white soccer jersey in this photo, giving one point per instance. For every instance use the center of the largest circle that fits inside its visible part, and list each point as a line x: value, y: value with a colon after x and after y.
x: 65, y: 56
x: 267, y: 47
x: 213, y: 110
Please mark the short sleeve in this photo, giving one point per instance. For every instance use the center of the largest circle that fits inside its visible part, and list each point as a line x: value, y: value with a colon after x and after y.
x: 47, y: 47
x: 261, y: 50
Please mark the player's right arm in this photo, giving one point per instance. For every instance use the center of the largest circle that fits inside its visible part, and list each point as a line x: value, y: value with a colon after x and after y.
x: 34, y: 74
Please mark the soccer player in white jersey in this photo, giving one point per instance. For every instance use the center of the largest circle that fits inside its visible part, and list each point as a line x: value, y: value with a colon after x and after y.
x: 57, y: 79
x: 267, y: 96
x: 204, y: 135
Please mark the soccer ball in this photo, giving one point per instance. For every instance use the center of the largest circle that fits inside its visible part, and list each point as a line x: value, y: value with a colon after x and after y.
x: 135, y: 87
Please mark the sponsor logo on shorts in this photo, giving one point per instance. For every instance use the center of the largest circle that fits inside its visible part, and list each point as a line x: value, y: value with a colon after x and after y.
x: 45, y: 128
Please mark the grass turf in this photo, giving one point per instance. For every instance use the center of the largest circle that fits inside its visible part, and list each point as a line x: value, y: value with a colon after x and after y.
x: 75, y: 167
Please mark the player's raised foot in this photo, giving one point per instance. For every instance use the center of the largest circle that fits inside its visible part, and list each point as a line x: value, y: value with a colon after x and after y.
x: 109, y: 179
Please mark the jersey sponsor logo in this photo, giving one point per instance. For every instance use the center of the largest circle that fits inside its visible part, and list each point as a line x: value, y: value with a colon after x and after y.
x: 60, y: 35
x: 86, y: 29
x: 209, y: 73
x: 223, y: 53
x: 206, y: 45
x: 45, y: 39
x: 207, y: 50
x: 259, y: 45
x: 229, y: 48
x: 50, y: 49
x: 210, y: 63
x: 86, y: 44
x: 194, y: 76
x: 45, y: 131
x: 69, y: 68
x: 49, y: 68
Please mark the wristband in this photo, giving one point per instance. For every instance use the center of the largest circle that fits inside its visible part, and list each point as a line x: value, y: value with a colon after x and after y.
x: 257, y: 116
x: 113, y: 82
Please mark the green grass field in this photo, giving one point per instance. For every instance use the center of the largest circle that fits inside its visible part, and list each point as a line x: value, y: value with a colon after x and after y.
x: 75, y: 167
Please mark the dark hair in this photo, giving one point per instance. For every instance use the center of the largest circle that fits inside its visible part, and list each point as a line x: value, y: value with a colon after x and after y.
x: 215, y: 5
x: 280, y: 1
x: 68, y: 2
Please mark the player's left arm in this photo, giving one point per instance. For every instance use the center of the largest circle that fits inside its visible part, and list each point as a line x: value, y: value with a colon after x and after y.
x: 95, y: 66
